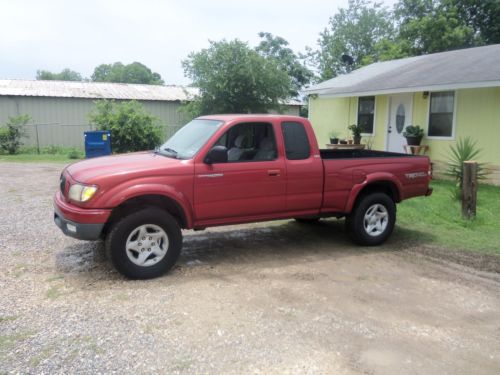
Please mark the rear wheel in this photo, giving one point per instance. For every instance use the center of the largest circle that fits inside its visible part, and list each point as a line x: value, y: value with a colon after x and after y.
x: 372, y: 220
x: 144, y: 244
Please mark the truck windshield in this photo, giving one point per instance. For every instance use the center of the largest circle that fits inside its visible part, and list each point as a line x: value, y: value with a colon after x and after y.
x: 188, y: 140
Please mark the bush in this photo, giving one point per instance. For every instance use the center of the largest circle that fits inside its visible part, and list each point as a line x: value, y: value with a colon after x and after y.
x: 132, y: 128
x: 465, y: 149
x: 10, y: 135
x: 75, y: 154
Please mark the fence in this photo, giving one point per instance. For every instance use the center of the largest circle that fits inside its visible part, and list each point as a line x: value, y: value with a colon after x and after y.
x: 55, y: 134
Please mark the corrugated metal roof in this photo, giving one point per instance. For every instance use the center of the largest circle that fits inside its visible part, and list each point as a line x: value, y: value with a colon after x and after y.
x: 101, y: 90
x: 472, y: 67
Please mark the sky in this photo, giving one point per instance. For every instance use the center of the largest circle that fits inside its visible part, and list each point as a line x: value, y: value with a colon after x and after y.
x: 82, y: 34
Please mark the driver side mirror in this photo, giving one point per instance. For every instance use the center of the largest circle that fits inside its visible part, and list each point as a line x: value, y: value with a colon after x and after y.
x: 218, y: 154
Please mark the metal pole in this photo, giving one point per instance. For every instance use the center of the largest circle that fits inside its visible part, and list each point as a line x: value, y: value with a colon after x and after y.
x: 37, y: 141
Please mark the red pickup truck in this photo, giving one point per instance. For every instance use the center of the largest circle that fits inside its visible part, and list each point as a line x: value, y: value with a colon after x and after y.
x: 229, y: 169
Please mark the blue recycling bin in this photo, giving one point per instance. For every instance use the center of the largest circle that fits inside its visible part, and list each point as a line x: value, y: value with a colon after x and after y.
x: 97, y: 143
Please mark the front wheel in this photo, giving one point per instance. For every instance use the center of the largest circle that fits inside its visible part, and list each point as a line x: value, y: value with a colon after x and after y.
x: 372, y: 220
x: 144, y: 244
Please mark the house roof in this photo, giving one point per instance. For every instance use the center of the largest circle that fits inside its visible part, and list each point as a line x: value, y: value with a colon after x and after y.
x: 465, y: 68
x: 101, y: 90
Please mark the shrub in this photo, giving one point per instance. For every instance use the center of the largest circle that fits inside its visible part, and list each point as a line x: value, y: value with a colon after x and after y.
x: 132, y: 128
x: 10, y: 135
x: 75, y: 154
x: 413, y: 131
x: 465, y: 149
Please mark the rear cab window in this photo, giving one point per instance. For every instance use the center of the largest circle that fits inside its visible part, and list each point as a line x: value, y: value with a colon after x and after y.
x: 297, y: 146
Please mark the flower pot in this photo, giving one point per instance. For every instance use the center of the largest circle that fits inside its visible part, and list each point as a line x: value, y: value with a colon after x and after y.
x: 357, y: 139
x: 414, y: 141
x: 343, y: 142
x: 349, y: 142
x: 334, y: 141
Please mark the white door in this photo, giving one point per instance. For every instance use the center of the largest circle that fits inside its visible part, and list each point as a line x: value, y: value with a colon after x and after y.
x: 400, y: 115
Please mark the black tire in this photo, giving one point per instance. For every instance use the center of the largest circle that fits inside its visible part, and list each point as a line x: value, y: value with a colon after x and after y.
x: 117, y: 238
x: 355, y: 222
x: 307, y: 220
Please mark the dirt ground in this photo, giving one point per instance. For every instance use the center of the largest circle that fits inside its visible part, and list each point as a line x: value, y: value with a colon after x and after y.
x: 266, y: 298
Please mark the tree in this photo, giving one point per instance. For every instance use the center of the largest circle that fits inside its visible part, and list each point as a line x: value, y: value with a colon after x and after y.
x: 482, y: 16
x: 353, y: 31
x: 428, y: 26
x: 64, y: 75
x: 10, y: 135
x: 275, y: 47
x: 233, y: 78
x: 131, y: 73
x: 132, y: 128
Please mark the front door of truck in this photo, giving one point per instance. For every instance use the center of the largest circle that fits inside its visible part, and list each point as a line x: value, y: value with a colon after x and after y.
x: 252, y: 181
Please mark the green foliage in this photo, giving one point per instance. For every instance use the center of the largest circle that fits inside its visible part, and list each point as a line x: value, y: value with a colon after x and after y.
x: 131, y: 73
x: 75, y: 154
x: 233, y: 78
x: 354, y: 31
x: 132, y: 128
x: 482, y: 16
x: 413, y: 131
x: 356, y: 130
x: 65, y: 75
x: 12, y: 132
x: 464, y: 150
x: 275, y: 47
x: 432, y: 26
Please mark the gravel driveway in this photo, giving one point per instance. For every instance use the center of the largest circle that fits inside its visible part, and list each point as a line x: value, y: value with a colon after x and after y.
x: 269, y: 298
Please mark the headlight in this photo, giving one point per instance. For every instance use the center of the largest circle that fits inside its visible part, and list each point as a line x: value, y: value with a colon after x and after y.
x: 81, y: 193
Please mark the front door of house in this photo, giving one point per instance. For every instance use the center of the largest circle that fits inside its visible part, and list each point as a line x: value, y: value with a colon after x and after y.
x: 400, y: 115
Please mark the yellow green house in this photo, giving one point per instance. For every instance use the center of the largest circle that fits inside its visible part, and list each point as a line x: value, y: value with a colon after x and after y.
x: 450, y: 95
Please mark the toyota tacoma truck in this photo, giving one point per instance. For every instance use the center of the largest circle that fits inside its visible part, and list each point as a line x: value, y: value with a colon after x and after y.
x: 230, y: 169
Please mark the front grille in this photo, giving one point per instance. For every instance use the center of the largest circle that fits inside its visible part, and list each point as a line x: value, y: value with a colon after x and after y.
x: 62, y: 184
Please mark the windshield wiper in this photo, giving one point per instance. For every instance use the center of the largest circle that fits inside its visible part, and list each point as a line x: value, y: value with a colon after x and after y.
x: 169, y: 152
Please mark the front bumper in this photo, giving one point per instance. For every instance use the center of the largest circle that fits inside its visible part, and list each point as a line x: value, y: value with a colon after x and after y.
x: 80, y: 223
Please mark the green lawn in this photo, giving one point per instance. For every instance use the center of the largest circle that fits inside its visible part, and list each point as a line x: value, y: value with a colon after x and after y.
x: 28, y: 158
x: 437, y: 219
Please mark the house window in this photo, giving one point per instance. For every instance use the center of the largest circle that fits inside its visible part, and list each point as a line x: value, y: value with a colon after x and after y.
x: 366, y: 110
x: 441, y: 114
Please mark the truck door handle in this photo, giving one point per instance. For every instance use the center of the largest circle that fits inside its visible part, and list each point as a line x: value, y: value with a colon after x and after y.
x: 273, y: 172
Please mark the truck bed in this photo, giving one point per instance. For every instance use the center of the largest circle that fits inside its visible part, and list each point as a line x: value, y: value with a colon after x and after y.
x: 358, y: 154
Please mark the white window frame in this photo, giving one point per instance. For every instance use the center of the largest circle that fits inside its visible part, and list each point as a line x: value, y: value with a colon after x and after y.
x: 454, y: 118
x: 372, y: 134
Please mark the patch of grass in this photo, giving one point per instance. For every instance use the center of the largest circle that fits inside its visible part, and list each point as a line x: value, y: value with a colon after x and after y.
x: 7, y: 318
x: 29, y: 158
x: 438, y: 219
x: 54, y: 278
x: 53, y: 292
x: 8, y: 341
x: 45, y: 353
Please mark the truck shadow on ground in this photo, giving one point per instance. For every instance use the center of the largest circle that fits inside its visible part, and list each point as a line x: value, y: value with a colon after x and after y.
x: 243, y: 244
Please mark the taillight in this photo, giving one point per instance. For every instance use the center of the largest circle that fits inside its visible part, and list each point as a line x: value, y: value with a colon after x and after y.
x: 430, y: 172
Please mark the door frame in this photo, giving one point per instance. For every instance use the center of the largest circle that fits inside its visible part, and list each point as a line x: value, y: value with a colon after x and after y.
x: 389, y: 108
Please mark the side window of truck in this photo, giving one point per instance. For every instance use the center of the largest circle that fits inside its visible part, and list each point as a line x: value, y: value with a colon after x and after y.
x: 297, y: 145
x: 249, y: 142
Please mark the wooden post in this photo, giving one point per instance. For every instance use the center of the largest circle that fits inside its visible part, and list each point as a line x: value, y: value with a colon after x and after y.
x: 469, y: 189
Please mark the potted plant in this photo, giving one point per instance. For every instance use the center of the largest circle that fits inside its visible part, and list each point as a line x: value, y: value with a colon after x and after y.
x: 413, y: 135
x: 356, y: 133
x: 334, y: 137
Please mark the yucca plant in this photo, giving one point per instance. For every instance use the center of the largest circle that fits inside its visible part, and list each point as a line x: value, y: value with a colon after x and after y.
x: 464, y: 150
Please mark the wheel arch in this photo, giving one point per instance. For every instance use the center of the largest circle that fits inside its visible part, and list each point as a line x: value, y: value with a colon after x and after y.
x: 139, y: 202
x: 388, y: 187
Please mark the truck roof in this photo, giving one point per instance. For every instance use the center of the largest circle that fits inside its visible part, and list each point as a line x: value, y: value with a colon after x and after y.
x: 249, y: 117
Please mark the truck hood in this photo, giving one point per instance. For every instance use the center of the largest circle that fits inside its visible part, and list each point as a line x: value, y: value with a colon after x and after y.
x: 124, y: 167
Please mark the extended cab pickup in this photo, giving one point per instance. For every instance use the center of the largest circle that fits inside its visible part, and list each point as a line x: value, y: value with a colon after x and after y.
x: 229, y: 169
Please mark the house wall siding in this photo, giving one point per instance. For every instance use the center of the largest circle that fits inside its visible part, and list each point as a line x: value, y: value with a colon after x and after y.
x: 477, y: 116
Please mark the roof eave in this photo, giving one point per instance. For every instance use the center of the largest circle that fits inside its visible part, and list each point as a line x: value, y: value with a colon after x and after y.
x: 326, y: 93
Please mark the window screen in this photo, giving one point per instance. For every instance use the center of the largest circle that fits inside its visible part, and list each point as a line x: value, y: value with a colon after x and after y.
x: 366, y: 110
x: 441, y: 114
x: 296, y: 142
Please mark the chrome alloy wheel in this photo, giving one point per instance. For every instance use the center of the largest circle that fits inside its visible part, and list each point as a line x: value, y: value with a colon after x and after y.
x: 147, y: 245
x: 376, y: 220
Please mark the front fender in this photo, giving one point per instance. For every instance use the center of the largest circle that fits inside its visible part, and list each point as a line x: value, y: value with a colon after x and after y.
x: 116, y: 197
x: 379, y: 178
